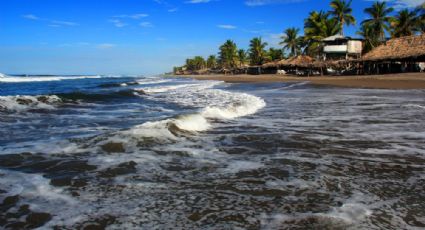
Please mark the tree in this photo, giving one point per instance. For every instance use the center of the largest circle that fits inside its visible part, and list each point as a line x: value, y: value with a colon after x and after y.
x: 291, y: 41
x: 371, y: 40
x: 242, y: 57
x: 405, y: 23
x: 228, y: 55
x: 380, y: 20
x: 318, y: 26
x: 257, y: 53
x: 421, y: 17
x: 275, y: 54
x: 212, y: 62
x: 197, y: 63
x: 342, y: 11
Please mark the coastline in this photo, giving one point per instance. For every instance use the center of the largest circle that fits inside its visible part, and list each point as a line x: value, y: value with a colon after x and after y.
x: 388, y: 81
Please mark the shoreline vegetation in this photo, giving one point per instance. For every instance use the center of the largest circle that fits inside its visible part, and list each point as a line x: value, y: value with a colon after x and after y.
x: 390, y: 42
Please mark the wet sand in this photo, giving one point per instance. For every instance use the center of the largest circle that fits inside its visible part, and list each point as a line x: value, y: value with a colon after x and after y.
x: 388, y: 81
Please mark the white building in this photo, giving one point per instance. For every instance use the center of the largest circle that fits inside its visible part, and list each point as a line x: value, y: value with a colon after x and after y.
x: 339, y: 47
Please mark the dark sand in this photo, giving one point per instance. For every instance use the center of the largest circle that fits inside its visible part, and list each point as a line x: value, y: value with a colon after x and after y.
x: 388, y: 81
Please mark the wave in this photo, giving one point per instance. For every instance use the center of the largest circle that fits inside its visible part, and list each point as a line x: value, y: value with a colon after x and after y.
x: 23, y: 103
x: 151, y: 81
x: 216, y: 104
x: 10, y: 79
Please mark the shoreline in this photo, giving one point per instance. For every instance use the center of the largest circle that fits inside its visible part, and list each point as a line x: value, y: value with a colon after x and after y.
x: 387, y: 81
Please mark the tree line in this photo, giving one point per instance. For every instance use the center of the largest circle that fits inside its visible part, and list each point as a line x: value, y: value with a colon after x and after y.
x: 381, y: 21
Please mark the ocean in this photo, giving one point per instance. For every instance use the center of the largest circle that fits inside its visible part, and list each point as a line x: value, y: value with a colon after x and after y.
x: 130, y: 152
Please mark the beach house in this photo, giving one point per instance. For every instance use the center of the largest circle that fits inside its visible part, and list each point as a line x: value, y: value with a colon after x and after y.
x: 340, y: 47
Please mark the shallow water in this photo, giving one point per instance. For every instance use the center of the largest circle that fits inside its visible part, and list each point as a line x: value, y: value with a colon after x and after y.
x: 152, y: 153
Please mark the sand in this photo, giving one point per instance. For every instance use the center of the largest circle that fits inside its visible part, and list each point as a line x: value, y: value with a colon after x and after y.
x: 388, y: 81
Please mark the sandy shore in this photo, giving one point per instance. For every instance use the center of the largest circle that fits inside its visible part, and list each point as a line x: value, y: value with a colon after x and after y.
x: 389, y: 81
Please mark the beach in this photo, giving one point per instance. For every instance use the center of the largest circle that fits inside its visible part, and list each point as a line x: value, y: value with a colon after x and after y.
x: 187, y: 154
x: 389, y: 81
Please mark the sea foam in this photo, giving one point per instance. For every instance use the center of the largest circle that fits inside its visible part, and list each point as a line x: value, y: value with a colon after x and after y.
x: 23, y: 103
x: 212, y: 103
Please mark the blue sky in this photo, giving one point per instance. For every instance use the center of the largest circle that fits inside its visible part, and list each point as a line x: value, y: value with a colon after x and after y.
x: 140, y: 36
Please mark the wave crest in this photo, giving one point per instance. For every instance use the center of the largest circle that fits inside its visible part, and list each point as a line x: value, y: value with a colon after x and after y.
x: 23, y: 103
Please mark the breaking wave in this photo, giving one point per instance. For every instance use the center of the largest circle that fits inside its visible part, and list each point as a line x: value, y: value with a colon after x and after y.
x: 212, y: 104
x: 24, y: 103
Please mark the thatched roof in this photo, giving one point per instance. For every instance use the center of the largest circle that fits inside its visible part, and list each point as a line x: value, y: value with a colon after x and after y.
x: 410, y: 47
x: 299, y: 61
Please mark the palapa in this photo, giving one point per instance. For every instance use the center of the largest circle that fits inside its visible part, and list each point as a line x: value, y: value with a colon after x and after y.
x: 399, y: 49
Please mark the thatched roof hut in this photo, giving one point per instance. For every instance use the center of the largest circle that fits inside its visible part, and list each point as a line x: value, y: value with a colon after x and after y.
x: 409, y: 48
x: 298, y: 61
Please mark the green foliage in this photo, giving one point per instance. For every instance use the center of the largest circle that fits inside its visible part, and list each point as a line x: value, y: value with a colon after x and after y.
x: 291, y: 41
x: 370, y: 39
x: 379, y: 20
x: 257, y: 53
x: 242, y: 57
x: 197, y: 63
x: 228, y: 56
x: 406, y: 23
x: 317, y: 26
x: 342, y: 11
x: 212, y: 62
x: 274, y: 54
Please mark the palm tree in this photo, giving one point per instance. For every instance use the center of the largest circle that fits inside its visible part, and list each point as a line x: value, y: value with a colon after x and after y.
x: 342, y: 11
x: 242, y: 57
x: 291, y: 41
x: 228, y: 55
x: 257, y: 51
x: 379, y: 21
x: 405, y: 23
x: 318, y: 26
x: 212, y: 62
x: 275, y: 54
x: 371, y: 40
x: 421, y: 17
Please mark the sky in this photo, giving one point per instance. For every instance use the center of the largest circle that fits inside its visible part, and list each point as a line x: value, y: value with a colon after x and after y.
x: 141, y: 37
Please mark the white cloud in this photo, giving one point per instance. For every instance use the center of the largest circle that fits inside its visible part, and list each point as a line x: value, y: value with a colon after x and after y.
x: 63, y: 23
x: 51, y: 22
x: 173, y: 10
x: 132, y: 16
x: 31, y: 17
x: 146, y: 24
x: 105, y: 46
x: 274, y: 39
x: 118, y: 23
x: 403, y: 3
x: 227, y: 27
x: 197, y: 1
x: 269, y: 2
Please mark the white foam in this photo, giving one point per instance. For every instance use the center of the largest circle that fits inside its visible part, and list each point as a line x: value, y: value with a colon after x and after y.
x: 240, y: 166
x: 415, y: 106
x: 163, y: 89
x: 195, y: 122
x: 246, y: 105
x: 9, y: 79
x: 32, y: 187
x: 151, y: 81
x: 212, y: 103
x: 11, y: 103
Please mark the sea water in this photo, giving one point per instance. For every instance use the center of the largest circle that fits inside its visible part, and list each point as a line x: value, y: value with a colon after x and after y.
x: 128, y: 152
